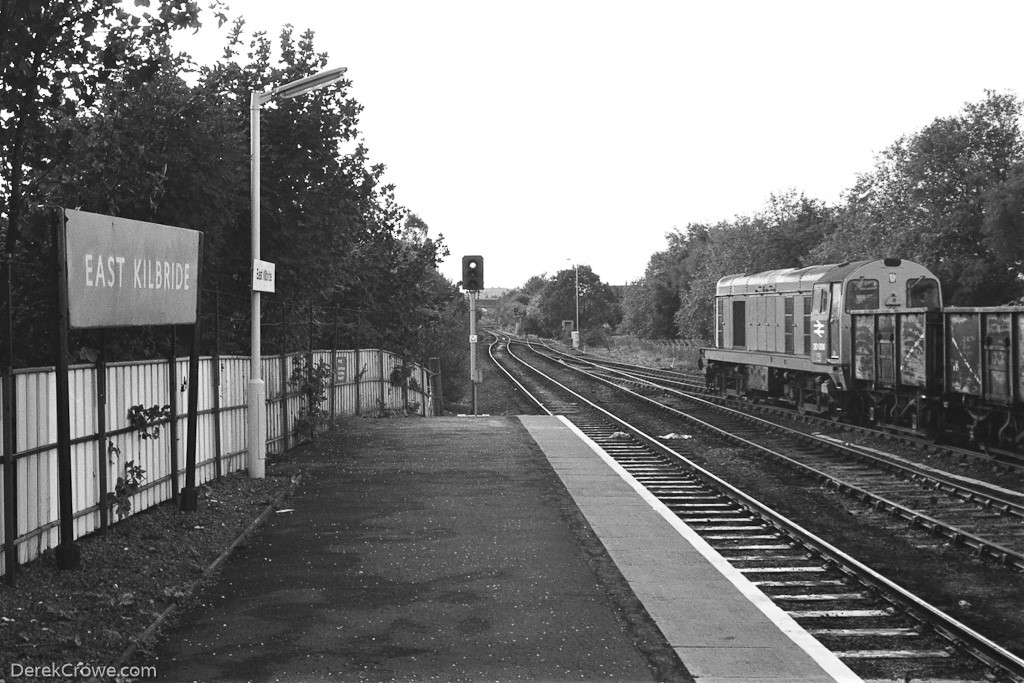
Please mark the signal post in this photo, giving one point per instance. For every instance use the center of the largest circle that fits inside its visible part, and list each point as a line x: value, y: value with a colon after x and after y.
x: 473, y: 282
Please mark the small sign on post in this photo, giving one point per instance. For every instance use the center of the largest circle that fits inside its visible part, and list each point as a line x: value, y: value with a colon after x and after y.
x: 264, y: 275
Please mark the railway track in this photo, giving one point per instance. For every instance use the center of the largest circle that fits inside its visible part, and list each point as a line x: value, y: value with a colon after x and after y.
x: 693, y: 382
x: 878, y: 628
x: 984, y: 519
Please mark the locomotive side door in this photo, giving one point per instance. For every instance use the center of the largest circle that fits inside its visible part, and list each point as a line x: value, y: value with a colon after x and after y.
x: 819, y: 324
x: 835, y: 319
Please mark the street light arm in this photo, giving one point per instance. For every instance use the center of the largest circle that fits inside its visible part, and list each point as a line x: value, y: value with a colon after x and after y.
x: 303, y: 85
x: 256, y: 397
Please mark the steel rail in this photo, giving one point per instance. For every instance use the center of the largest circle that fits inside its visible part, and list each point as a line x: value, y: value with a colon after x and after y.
x: 980, y: 646
x: 526, y: 392
x: 1009, y: 459
x: 979, y: 492
x: 979, y: 544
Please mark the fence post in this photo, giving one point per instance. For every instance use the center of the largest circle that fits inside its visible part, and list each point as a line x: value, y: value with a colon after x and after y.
x: 101, y: 428
x: 309, y: 369
x: 359, y: 380
x: 424, y: 389
x: 284, y: 401
x: 190, y: 496
x: 10, y: 471
x: 435, y: 379
x: 217, y: 466
x: 405, y: 389
x: 383, y: 382
x: 334, y: 362
x: 172, y: 380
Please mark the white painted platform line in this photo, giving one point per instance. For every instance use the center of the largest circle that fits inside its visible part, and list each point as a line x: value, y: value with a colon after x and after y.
x: 828, y: 661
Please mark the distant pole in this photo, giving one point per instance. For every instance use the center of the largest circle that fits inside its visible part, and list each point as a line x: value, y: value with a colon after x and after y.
x: 577, y: 266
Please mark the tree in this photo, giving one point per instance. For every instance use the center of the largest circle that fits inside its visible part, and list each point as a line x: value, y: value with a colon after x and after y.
x: 1004, y: 227
x: 598, y: 304
x: 650, y: 307
x: 638, y: 314
x: 58, y: 57
x: 675, y: 296
x: 926, y: 199
x: 160, y: 150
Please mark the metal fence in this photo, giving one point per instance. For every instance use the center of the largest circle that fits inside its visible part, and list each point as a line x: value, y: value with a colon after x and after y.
x: 368, y: 381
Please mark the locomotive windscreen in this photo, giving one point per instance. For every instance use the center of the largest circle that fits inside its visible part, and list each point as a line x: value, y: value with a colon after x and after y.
x: 862, y: 295
x: 923, y: 293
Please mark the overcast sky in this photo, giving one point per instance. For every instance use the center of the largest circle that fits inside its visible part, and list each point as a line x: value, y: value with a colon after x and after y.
x: 545, y: 133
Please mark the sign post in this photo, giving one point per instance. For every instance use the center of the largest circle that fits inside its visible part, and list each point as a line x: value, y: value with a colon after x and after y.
x: 472, y: 346
x: 473, y: 282
x: 69, y: 555
x: 116, y: 272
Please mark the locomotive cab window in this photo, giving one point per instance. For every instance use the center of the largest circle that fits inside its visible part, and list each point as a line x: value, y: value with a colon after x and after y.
x: 862, y: 295
x: 822, y: 295
x: 739, y: 324
x: 720, y: 323
x: 923, y: 292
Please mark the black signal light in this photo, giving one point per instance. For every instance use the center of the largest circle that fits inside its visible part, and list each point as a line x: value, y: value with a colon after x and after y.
x: 472, y: 273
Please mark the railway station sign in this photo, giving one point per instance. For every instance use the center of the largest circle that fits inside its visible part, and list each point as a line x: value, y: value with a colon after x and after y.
x: 126, y: 273
x: 264, y: 276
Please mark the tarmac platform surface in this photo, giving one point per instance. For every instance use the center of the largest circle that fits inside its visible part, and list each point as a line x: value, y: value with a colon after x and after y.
x: 449, y: 549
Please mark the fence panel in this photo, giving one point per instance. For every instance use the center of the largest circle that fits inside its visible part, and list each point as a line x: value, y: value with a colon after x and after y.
x: 346, y: 392
x: 234, y: 389
x: 361, y: 384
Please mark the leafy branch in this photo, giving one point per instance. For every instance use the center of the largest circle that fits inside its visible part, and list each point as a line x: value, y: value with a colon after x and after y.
x: 313, y: 381
x: 146, y: 421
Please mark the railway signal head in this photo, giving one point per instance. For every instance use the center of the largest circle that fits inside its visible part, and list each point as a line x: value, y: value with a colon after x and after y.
x: 472, y: 273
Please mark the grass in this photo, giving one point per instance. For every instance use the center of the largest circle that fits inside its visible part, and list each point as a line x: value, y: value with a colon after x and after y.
x: 658, y: 353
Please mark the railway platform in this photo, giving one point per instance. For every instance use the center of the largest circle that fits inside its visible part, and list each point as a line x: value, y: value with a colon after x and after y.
x: 475, y: 548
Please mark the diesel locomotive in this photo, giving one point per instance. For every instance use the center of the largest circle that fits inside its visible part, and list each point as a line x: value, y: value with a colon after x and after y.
x: 870, y: 342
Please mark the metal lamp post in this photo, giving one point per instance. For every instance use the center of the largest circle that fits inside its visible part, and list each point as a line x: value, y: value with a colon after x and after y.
x: 256, y: 402
x: 577, y: 267
x: 579, y: 336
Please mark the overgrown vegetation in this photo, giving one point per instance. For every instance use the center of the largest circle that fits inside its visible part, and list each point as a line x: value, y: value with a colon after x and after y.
x: 543, y: 303
x: 98, y: 113
x: 950, y: 196
x: 312, y: 381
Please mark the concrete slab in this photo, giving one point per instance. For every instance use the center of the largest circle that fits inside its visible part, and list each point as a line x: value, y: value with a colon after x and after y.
x: 721, y: 625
